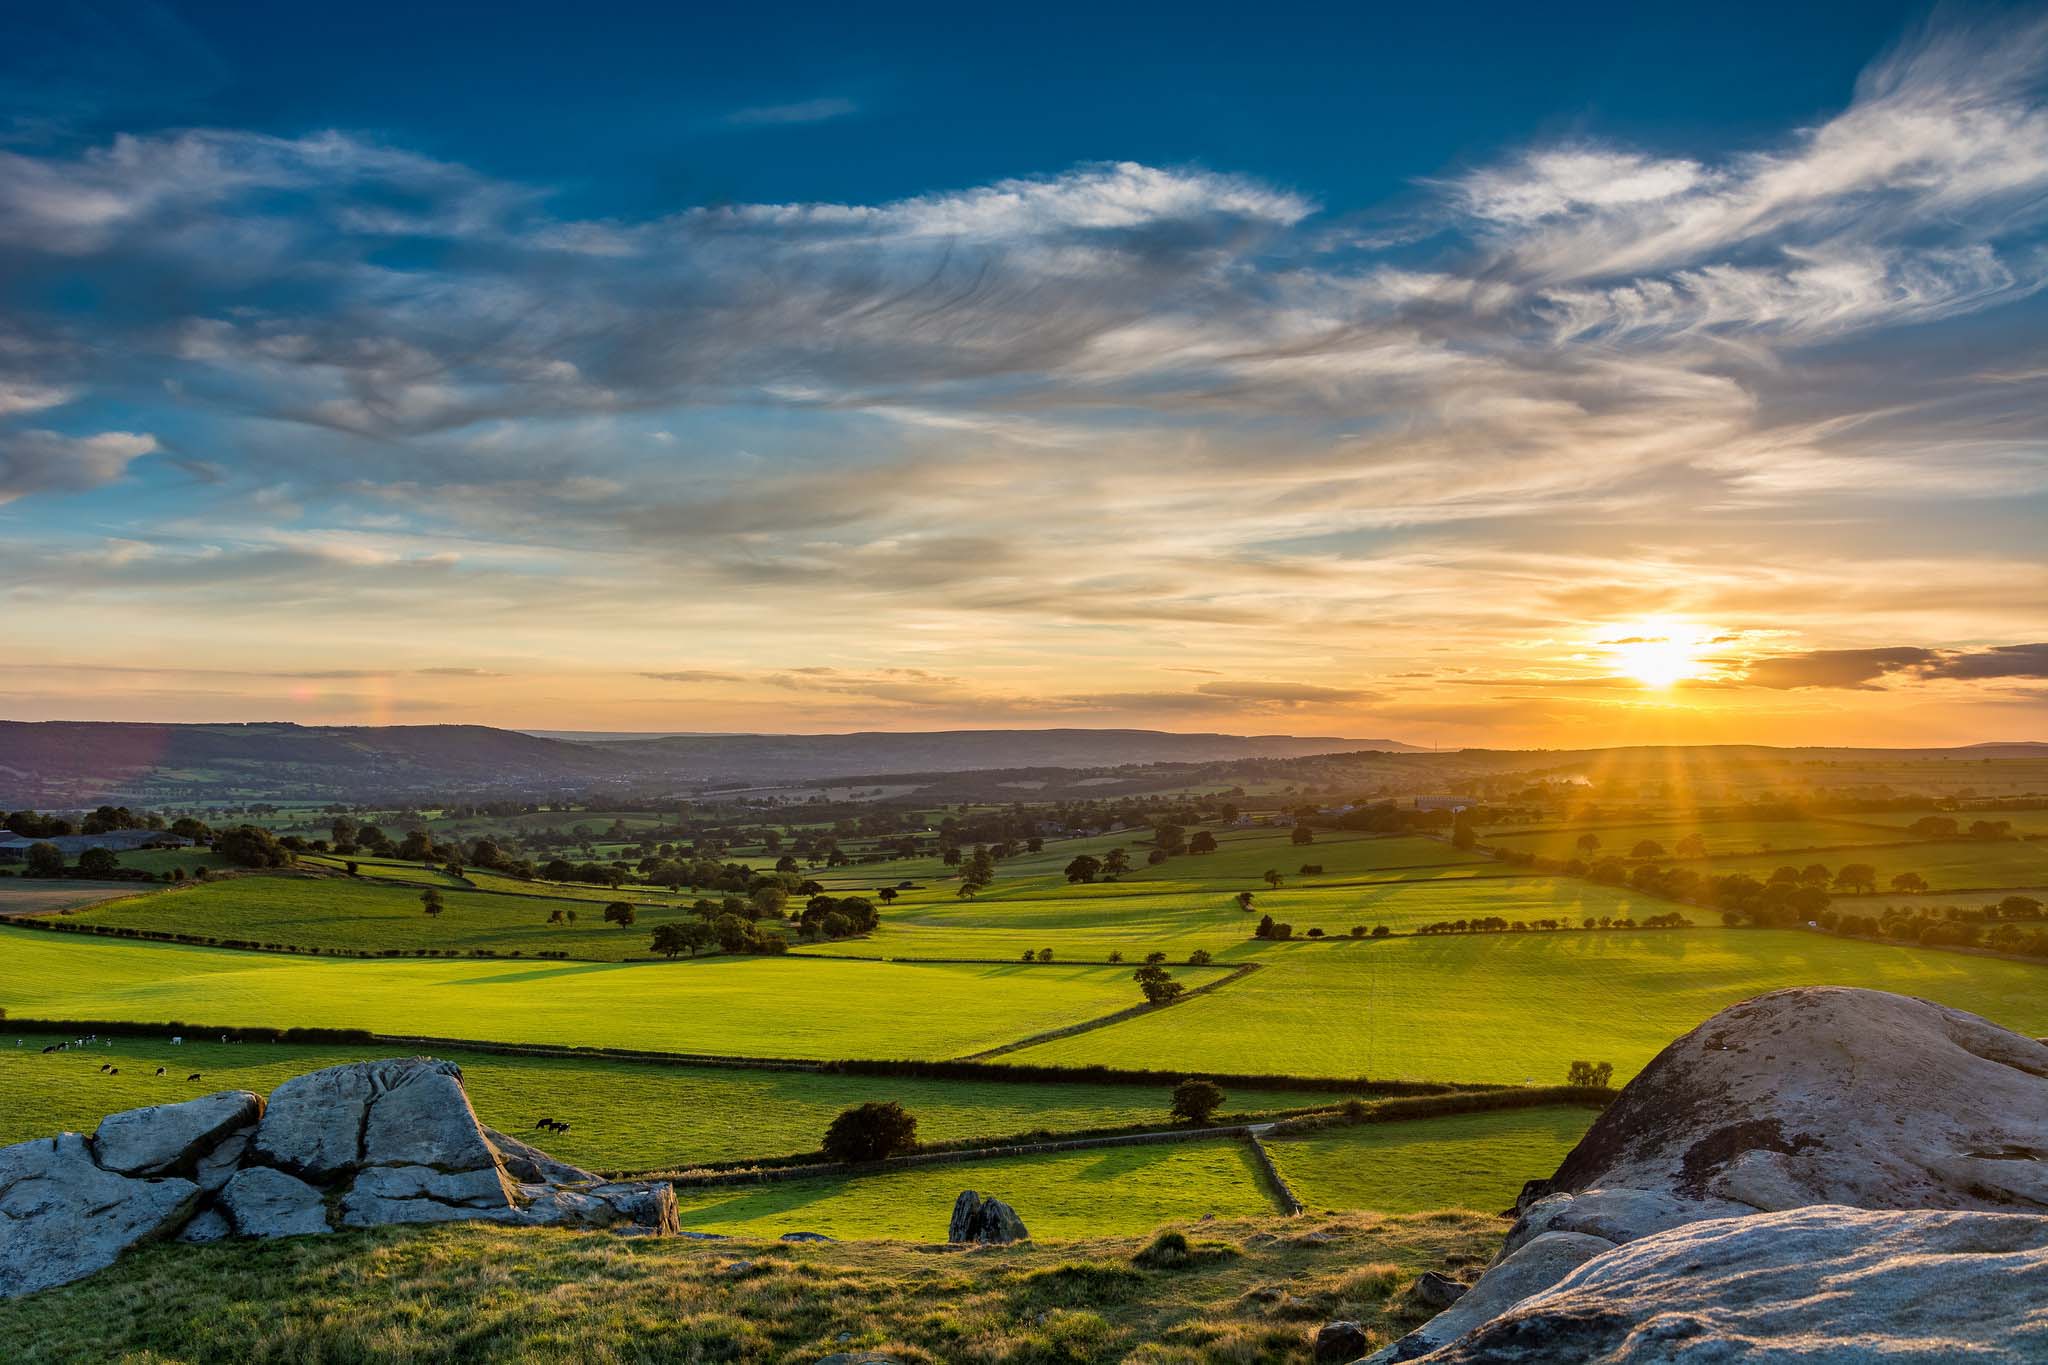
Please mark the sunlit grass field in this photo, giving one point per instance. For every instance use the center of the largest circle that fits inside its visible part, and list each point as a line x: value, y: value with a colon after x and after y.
x: 1510, y: 1007
x: 622, y: 1115
x: 773, y: 1007
x: 374, y: 914
x: 1720, y: 836
x: 1946, y: 866
x: 1460, y: 1161
x: 1059, y: 1195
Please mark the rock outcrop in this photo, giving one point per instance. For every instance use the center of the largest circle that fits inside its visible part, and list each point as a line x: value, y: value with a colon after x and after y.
x: 360, y: 1145
x: 1789, y: 1112
x: 984, y: 1220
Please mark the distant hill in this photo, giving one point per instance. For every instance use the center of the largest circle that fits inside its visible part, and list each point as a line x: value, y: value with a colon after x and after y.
x: 72, y: 763
x: 782, y: 758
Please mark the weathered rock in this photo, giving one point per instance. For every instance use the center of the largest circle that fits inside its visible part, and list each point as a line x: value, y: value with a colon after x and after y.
x: 1799, y: 1099
x: 62, y: 1217
x: 984, y: 1220
x: 208, y: 1225
x: 1533, y: 1268
x: 530, y: 1165
x: 262, y: 1202
x: 401, y: 1112
x: 168, y: 1139
x: 421, y: 1194
x: 215, y: 1168
x: 650, y: 1203
x: 1341, y: 1340
x: 1820, y: 1095
x: 805, y: 1237
x: 1437, y: 1292
x: 1824, y: 1283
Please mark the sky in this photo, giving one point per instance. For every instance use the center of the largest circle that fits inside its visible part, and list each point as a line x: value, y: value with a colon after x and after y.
x: 1477, y: 376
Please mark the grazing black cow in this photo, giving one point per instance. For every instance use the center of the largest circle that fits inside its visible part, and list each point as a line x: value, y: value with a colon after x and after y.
x: 105, y: 1067
x: 159, y: 1071
x: 561, y: 1127
x: 193, y: 1077
x: 113, y: 1071
x: 545, y: 1123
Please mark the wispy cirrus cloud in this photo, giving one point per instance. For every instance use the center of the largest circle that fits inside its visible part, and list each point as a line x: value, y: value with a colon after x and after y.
x: 820, y: 110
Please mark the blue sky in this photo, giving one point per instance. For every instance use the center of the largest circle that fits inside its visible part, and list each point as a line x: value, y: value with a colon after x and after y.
x: 1398, y: 372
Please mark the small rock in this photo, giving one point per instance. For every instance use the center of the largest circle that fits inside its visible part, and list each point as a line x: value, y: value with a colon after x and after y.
x: 208, y: 1226
x: 1437, y: 1292
x: 1339, y: 1341
x: 806, y: 1237
x: 738, y: 1267
x: 984, y: 1220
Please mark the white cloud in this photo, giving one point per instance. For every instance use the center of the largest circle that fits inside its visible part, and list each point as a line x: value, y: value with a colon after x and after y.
x: 48, y: 462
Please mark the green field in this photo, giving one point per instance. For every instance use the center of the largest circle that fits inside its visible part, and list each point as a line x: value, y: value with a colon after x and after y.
x: 1059, y: 1195
x: 760, y: 1007
x: 1461, y: 1161
x: 622, y: 1115
x: 1089, y: 922
x: 376, y: 914
x: 1720, y: 836
x: 1510, y: 1007
x: 1946, y: 866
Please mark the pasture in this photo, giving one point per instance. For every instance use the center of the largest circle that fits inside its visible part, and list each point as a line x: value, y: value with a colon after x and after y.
x: 1955, y: 866
x: 754, y: 1007
x: 1060, y: 1195
x: 21, y: 896
x: 1721, y: 837
x: 622, y: 1115
x: 1459, y: 1161
x: 1514, y: 1007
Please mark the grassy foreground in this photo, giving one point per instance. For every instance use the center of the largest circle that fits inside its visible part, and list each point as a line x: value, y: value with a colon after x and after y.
x: 469, y: 1293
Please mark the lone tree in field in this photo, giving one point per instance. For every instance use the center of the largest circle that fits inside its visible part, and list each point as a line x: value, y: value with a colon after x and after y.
x: 619, y: 913
x: 430, y: 901
x: 1083, y: 869
x: 1856, y: 877
x: 1273, y: 877
x: 1196, y: 1102
x: 1589, y: 843
x: 1587, y: 1076
x: 1910, y: 883
x: 1117, y: 863
x: 1203, y: 842
x: 1692, y: 846
x: 886, y: 894
x: 555, y: 915
x: 871, y: 1132
x: 1302, y: 835
x: 1158, y: 986
x: 1244, y: 901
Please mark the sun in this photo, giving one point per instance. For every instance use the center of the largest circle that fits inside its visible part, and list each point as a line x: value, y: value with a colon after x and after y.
x: 1657, y: 653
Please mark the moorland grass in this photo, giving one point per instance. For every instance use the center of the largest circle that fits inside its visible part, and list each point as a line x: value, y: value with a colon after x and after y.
x: 622, y: 1115
x: 478, y: 1293
x: 760, y: 1007
x: 1459, y: 1161
x: 1510, y: 1007
x: 1097, y: 1192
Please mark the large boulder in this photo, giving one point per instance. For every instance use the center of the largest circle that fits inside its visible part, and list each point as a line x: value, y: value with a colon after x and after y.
x: 360, y: 1145
x: 1824, y: 1283
x: 166, y: 1139
x: 984, y: 1220
x: 62, y: 1216
x: 1800, y: 1098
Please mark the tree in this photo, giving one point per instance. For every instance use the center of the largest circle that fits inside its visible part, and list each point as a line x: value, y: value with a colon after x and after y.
x: 1909, y: 883
x: 1464, y: 833
x: 1196, y: 1102
x: 1117, y: 863
x: 1302, y: 835
x: 619, y: 913
x: 873, y: 1131
x: 768, y: 902
x: 687, y: 936
x: 1170, y: 836
x: 1587, y: 1076
x: 1158, y: 986
x: 1692, y: 846
x: 417, y: 848
x: 1273, y: 877
x: 731, y: 932
x: 98, y: 862
x: 45, y: 860
x: 430, y: 901
x: 1588, y: 843
x: 1244, y: 901
x: 1647, y: 848
x: 1083, y: 869
x: 1856, y: 877
x: 886, y: 894
x: 555, y: 915
x: 252, y: 846
x: 1155, y: 957
x: 1200, y: 957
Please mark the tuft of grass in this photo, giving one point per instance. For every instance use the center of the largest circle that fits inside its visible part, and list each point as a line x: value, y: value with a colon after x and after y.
x: 474, y: 1293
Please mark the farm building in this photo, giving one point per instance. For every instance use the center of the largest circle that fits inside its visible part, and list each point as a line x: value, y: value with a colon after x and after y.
x: 1450, y: 803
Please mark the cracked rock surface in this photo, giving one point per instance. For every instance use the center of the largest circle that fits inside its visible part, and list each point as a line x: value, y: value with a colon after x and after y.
x: 1820, y: 1102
